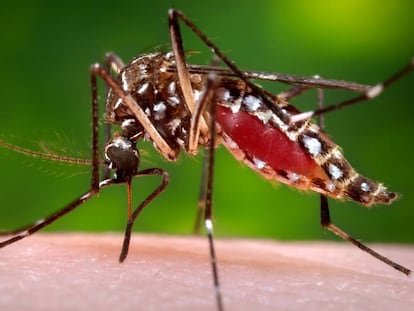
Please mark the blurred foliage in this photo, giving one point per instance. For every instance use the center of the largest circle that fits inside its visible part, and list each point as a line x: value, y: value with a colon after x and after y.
x: 47, y: 48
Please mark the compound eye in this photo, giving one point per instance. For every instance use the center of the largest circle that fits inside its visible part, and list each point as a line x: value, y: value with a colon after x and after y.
x: 122, y: 154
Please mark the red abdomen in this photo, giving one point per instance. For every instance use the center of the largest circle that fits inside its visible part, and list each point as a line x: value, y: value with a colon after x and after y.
x: 266, y: 143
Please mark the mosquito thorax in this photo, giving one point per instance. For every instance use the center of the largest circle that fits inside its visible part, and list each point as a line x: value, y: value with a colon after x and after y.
x: 123, y: 157
x: 156, y: 90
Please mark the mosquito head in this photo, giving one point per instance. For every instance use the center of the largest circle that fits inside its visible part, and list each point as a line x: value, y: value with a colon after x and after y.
x: 123, y: 157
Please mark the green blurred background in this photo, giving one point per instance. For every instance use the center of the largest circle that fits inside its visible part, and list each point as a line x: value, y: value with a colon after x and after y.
x: 46, y: 50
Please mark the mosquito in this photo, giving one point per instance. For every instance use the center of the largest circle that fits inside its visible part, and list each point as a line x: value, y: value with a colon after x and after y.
x: 160, y: 98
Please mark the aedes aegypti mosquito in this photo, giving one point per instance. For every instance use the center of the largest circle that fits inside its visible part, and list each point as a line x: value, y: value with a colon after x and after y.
x: 177, y: 106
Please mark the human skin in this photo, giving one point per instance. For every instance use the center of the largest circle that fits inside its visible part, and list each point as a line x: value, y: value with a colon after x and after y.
x: 82, y: 272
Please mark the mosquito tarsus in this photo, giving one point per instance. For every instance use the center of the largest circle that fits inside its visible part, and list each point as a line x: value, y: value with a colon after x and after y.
x: 177, y: 106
